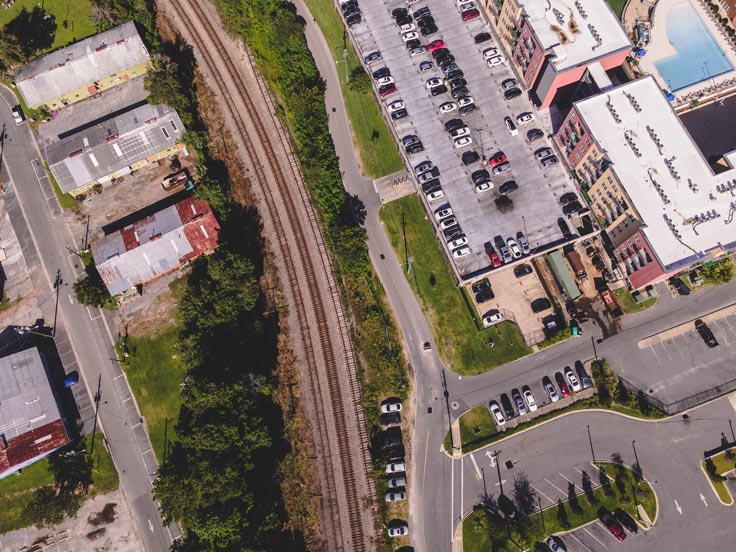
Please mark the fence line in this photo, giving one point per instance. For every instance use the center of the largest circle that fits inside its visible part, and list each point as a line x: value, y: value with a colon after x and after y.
x: 690, y: 401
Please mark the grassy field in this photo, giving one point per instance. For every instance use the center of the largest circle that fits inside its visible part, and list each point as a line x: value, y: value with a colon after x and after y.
x: 73, y: 18
x: 16, y: 490
x: 377, y: 149
x: 155, y: 374
x: 628, y: 304
x: 482, y: 532
x: 461, y: 344
x: 478, y: 417
x: 618, y: 6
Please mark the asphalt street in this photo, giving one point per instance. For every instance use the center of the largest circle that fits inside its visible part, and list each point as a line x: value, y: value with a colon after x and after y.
x: 49, y: 247
x: 440, y: 489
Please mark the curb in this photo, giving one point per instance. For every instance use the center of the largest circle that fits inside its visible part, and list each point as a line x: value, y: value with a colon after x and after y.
x: 701, y: 465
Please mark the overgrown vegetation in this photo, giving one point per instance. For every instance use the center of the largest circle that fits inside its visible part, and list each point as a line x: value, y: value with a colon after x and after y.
x: 55, y: 487
x: 91, y: 290
x: 606, y: 486
x: 461, y: 341
x: 719, y: 272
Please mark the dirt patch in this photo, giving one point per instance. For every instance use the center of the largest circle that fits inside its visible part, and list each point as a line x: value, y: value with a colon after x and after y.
x: 106, y: 515
x: 156, y: 308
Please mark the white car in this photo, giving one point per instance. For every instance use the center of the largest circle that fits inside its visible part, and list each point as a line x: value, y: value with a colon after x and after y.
x: 572, y: 380
x: 398, y: 531
x: 458, y: 242
x: 491, y: 317
x: 495, y: 60
x: 461, y: 252
x: 461, y: 2
x: 383, y: 81
x: 490, y: 52
x: 460, y: 132
x: 407, y: 28
x: 510, y: 126
x: 18, y: 116
x: 447, y: 222
x: 524, y: 118
x: 467, y: 6
x: 396, y: 467
x: 497, y: 414
x: 434, y: 82
x: 443, y: 212
x: 551, y: 391
x: 395, y: 482
x: 483, y: 187
x: 394, y: 406
x: 466, y: 100
x: 514, y: 247
x: 411, y: 35
x: 463, y: 142
x: 395, y: 496
x: 434, y: 196
x: 414, y: 52
x: 396, y: 105
x: 523, y: 243
x: 529, y: 398
x: 448, y: 107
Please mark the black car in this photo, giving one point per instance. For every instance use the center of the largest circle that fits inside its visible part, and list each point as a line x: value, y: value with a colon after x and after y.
x: 480, y: 176
x: 454, y: 124
x: 349, y: 6
x: 470, y: 157
x: 508, y: 409
x: 403, y: 20
x: 428, y: 30
x: 569, y: 197
x: 534, y: 134
x: 679, y: 285
x: 445, y: 60
x: 484, y: 296
x: 481, y: 37
x: 350, y: 11
x: 626, y: 520
x: 571, y: 208
x: 455, y: 74
x: 354, y: 20
x: 460, y: 92
x: 382, y: 72
x: 414, y: 148
x: 508, y: 187
x: 426, y: 21
x: 583, y: 375
x: 706, y: 333
x: 391, y: 419
x: 399, y: 12
x: 413, y: 44
x: 522, y: 270
x: 437, y: 90
x: 564, y: 228
x: 466, y: 109
x: 400, y: 114
x: 512, y: 93
x: 483, y: 285
x: 410, y: 139
x: 452, y: 232
x: 422, y: 12
x: 440, y: 52
x: 541, y: 304
x: 458, y: 83
x: 431, y: 185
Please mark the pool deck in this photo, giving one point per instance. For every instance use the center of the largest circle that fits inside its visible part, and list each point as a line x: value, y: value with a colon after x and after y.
x: 660, y: 48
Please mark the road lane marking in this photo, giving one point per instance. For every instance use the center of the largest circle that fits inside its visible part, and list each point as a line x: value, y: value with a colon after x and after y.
x: 118, y: 376
x: 492, y: 456
x: 462, y: 488
x: 424, y: 476
x: 544, y: 495
x: 703, y: 499
x: 563, y: 493
x: 71, y: 301
x: 128, y: 399
x: 580, y: 542
x: 596, y: 538
x: 89, y: 311
x: 678, y: 508
x: 452, y: 502
x: 475, y: 465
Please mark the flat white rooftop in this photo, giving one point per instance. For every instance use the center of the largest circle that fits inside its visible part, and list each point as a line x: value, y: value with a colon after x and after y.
x: 577, y: 30
x: 688, y: 211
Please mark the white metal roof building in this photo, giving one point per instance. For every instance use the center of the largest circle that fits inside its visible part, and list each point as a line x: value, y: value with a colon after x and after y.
x: 687, y: 209
x: 113, y: 146
x: 84, y: 68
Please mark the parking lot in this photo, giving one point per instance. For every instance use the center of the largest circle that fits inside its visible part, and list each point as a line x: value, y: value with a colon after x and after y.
x: 513, y: 297
x: 535, y: 204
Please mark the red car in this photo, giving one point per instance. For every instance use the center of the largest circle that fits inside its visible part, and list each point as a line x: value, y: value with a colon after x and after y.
x: 613, y: 526
x: 495, y: 259
x: 436, y: 45
x: 470, y: 14
x: 564, y: 389
x: 386, y: 89
x: 497, y: 158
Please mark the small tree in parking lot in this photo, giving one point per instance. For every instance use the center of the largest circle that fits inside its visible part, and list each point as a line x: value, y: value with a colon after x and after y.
x: 524, y: 494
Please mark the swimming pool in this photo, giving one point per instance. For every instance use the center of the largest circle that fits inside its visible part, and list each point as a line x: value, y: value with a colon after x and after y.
x: 698, y: 55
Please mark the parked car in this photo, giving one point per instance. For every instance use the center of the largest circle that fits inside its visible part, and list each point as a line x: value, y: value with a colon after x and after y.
x: 492, y: 317
x: 508, y: 187
x: 458, y: 93
x: 572, y: 380
x: 391, y: 419
x: 497, y: 414
x: 18, y: 115
x: 516, y: 397
x: 679, y: 285
x: 434, y: 172
x: 396, y: 105
x: 495, y: 61
x: 452, y: 233
x: 508, y: 84
x: 463, y: 142
x: 510, y: 126
x: 507, y: 406
x: 506, y: 254
x: 481, y: 285
x: 623, y: 517
x: 514, y: 247
x: 395, y: 496
x: 467, y: 109
x: 542, y: 153
x: 564, y: 389
x: 425, y: 66
x: 422, y: 12
x: 706, y: 333
x: 411, y: 35
x: 460, y: 132
x: 483, y: 187
x: 400, y: 114
x: 438, y: 90
x: 531, y: 402
x: 387, y: 90
x: 461, y: 252
x: 391, y: 406
x: 567, y: 198
x: 481, y: 37
x: 469, y: 157
x: 383, y: 81
x: 399, y: 12
x: 490, y: 52
x: 417, y: 51
x: 398, y: 531
x: 550, y: 390
x: 448, y: 107
x: 523, y: 243
x: 467, y: 5
x: 550, y: 161
x: 613, y: 526
x: 458, y: 242
x: 534, y: 134
x: 470, y: 14
x: 434, y: 82
x: 512, y: 93
x: 502, y: 168
x: 480, y: 176
x: 434, y: 196
x: 413, y: 45
x: 524, y: 118
x: 396, y: 467
x: 522, y: 270
x: 555, y: 544
x: 396, y: 482
x: 497, y: 158
x: 571, y: 208
x: 442, y: 212
x: 582, y: 374
x: 448, y: 222
x: 424, y: 166
x: 564, y: 228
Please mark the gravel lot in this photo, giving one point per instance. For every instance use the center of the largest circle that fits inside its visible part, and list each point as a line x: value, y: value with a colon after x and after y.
x: 536, y: 207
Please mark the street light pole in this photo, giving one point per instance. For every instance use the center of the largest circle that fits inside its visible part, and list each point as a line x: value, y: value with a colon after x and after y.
x: 633, y: 445
x: 498, y: 468
x: 732, y: 435
x: 590, y: 440
x: 595, y: 353
x: 485, y: 490
x: 541, y: 513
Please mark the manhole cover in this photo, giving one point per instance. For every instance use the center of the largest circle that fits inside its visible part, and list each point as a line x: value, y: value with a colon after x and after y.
x: 476, y: 430
x: 454, y: 405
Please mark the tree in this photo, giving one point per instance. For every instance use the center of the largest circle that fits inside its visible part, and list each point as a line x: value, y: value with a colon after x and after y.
x: 572, y: 498
x: 360, y: 81
x: 605, y: 482
x: 525, y: 495
x: 562, y: 515
x: 719, y: 272
x: 588, y: 488
x: 164, y: 84
x: 91, y: 290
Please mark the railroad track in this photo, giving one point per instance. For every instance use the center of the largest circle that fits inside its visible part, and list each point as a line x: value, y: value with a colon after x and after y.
x: 287, y: 205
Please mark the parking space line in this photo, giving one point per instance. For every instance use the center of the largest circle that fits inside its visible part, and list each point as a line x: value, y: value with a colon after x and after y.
x: 596, y: 538
x: 475, y: 465
x: 544, y: 495
x: 579, y: 542
x: 570, y: 481
x: 563, y: 493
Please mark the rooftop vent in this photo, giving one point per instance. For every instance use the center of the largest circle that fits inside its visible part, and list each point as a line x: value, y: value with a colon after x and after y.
x: 558, y: 16
x: 671, y: 167
x: 726, y: 187
x: 632, y: 144
x: 633, y: 102
x: 581, y: 11
x: 672, y: 227
x: 596, y: 36
x: 655, y: 138
x: 612, y: 110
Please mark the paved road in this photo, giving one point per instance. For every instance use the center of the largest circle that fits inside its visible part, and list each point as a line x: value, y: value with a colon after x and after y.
x: 46, y: 241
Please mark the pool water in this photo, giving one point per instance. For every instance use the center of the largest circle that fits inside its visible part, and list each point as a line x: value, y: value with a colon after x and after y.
x: 698, y: 55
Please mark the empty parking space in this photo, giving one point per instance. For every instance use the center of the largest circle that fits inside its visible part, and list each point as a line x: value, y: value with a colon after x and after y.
x: 477, y: 214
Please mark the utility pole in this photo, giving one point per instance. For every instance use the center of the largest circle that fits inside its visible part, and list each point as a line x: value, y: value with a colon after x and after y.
x: 732, y: 435
x: 595, y: 353
x: 86, y: 236
x: 485, y: 490
x: 98, y: 395
x: 633, y: 445
x: 496, y: 453
x: 57, y: 286
x: 590, y: 440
